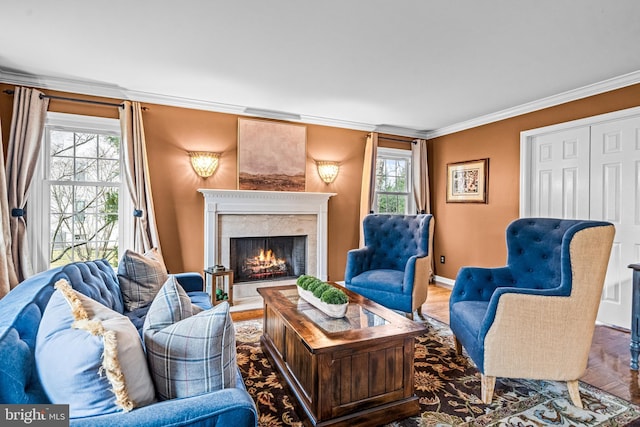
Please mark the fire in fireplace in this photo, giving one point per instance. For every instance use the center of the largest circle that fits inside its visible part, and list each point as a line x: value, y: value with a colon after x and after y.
x: 267, y: 258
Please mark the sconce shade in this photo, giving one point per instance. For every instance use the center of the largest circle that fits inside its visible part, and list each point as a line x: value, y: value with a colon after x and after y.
x: 327, y: 170
x: 204, y: 163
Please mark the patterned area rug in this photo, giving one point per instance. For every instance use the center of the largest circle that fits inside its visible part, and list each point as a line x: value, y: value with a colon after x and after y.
x: 448, y: 387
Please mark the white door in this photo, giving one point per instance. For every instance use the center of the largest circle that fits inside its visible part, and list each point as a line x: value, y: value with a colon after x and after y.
x: 560, y: 174
x: 615, y: 184
x: 591, y: 171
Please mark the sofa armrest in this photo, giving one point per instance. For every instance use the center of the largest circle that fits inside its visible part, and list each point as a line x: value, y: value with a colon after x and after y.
x: 356, y: 263
x: 227, y: 407
x: 190, y: 281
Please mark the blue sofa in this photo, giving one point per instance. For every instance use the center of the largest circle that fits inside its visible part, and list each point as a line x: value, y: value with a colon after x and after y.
x: 20, y: 314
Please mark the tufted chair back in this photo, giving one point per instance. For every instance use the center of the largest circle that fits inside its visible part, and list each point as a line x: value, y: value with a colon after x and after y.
x: 534, y: 251
x: 393, y: 239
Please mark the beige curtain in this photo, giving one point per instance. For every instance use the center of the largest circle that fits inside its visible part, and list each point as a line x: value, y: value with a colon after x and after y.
x: 8, y: 277
x: 137, y: 176
x: 420, y: 183
x: 25, y: 140
x: 367, y: 193
x: 420, y: 176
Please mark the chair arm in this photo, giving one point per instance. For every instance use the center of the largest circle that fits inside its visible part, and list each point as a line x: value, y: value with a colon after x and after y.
x: 479, y: 283
x: 499, y: 293
x: 227, y: 407
x: 357, y: 263
x: 190, y: 281
x: 417, y: 274
x: 521, y: 335
x: 414, y: 272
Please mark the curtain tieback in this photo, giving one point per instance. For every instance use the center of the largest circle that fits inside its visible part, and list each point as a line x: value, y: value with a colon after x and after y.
x: 17, y: 212
x: 137, y: 213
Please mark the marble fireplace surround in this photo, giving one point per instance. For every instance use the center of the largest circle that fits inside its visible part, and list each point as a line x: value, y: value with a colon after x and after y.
x: 251, y: 213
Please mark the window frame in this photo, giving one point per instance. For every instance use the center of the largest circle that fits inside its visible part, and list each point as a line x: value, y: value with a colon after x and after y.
x: 38, y: 203
x: 396, y: 154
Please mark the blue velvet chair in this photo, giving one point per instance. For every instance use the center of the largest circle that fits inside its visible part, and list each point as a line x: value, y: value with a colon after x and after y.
x: 394, y: 266
x: 534, y: 318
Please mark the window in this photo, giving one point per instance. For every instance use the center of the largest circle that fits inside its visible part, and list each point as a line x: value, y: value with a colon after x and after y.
x: 78, y: 204
x: 393, y: 182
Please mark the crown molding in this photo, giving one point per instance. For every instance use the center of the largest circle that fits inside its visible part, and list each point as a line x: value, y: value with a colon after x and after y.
x: 113, y: 91
x: 550, y: 101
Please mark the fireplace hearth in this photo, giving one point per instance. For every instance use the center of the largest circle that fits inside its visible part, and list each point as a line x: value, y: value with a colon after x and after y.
x: 267, y: 258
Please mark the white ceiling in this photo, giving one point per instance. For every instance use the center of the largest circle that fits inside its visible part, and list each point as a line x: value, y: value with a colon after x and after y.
x: 414, y: 64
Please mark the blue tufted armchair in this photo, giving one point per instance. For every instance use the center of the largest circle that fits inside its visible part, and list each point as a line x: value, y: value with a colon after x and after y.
x: 394, y: 266
x: 535, y: 317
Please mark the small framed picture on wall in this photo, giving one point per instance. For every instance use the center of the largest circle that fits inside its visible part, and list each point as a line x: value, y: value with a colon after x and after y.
x: 467, y: 181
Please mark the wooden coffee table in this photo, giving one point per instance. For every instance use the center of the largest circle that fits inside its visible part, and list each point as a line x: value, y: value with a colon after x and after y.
x: 352, y: 371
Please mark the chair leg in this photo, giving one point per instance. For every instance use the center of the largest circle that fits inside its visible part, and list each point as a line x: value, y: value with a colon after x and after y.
x: 457, y: 345
x: 574, y: 393
x: 409, y: 316
x: 488, y: 384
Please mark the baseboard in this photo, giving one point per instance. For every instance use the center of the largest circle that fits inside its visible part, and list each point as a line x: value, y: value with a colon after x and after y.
x: 444, y: 282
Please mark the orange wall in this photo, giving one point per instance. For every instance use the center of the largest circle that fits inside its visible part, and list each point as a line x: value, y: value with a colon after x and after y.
x: 171, y: 132
x: 473, y: 234
x: 467, y: 234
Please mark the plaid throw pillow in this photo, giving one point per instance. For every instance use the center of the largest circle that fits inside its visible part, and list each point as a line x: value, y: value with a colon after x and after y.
x: 188, y: 354
x: 140, y: 277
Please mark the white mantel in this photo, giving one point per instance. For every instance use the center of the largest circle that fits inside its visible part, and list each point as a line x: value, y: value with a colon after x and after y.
x: 252, y: 202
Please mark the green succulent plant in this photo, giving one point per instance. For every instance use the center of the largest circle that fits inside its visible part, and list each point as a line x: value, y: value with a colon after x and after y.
x: 317, y: 292
x: 313, y: 284
x: 334, y: 296
x: 303, y: 281
x: 322, y: 290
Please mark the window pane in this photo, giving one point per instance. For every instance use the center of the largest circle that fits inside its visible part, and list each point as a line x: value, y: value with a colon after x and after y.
x: 109, y: 147
x: 61, y: 143
x: 108, y: 171
x: 61, y: 168
x: 86, y: 169
x: 86, y: 145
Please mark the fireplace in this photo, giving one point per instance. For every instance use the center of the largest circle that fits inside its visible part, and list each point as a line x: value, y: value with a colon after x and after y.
x: 241, y: 213
x: 267, y: 258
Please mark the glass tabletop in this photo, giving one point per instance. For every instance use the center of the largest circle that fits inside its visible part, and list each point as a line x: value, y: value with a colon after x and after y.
x: 357, y: 317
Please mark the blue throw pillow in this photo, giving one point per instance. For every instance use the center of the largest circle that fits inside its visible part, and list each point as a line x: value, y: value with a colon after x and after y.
x: 90, y: 357
x: 188, y: 353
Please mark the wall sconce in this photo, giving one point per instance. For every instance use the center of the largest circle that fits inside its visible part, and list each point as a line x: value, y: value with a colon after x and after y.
x: 204, y: 163
x: 327, y: 170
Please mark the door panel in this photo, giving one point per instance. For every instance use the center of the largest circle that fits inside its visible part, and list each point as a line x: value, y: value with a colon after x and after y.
x: 560, y: 171
x: 593, y: 172
x: 615, y: 183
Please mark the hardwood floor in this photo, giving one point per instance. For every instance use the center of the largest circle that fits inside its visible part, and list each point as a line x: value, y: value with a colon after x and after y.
x: 608, y: 367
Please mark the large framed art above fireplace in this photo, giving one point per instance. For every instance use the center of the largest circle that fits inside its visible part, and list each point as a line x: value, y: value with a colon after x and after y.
x: 230, y: 215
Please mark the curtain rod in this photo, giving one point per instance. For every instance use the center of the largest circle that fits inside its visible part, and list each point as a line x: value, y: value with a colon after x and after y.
x: 396, y: 139
x: 65, y: 98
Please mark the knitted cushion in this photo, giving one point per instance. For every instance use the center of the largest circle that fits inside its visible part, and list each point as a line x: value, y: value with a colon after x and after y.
x: 188, y: 354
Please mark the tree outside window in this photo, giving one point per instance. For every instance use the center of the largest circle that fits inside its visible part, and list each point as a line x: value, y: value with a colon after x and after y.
x: 84, y: 183
x: 393, y: 186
